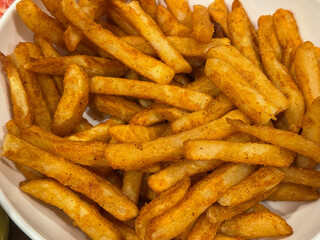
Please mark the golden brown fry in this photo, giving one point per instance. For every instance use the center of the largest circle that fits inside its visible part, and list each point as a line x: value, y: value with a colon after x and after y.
x: 69, y: 174
x: 172, y: 114
x: 220, y: 236
x: 84, y: 215
x: 113, y: 178
x: 202, y: 28
x: 303, y: 176
x: 258, y: 208
x: 82, y: 126
x: 120, y: 22
x: 54, y: 8
x: 180, y: 8
x: 131, y: 185
x: 146, y: 192
x: 150, y: 7
x: 29, y: 173
x: 140, y: 44
x: 203, y: 229
x: 13, y: 128
x: 149, y: 116
x: 294, y: 192
x: 114, y: 29
x: 219, y: 13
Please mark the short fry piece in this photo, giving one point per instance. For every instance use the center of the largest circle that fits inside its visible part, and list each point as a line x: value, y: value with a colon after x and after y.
x: 202, y: 28
x: 220, y: 236
x: 219, y: 13
x: 294, y: 192
x: 131, y: 185
x: 180, y: 8
x: 203, y: 229
x: 150, y: 7
x: 140, y: 44
x: 303, y: 176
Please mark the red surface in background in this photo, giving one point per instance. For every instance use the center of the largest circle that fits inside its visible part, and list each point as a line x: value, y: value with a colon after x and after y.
x: 4, y: 4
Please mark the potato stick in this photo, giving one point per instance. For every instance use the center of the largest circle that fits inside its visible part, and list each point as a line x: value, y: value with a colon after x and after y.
x: 149, y: 6
x: 218, y: 12
x: 199, y: 197
x: 54, y: 8
x: 202, y: 28
x: 147, y: 27
x: 182, y: 11
x: 252, y: 102
x: 131, y: 185
x: 250, y: 153
x: 260, y: 181
x: 172, y: 174
x: 294, y: 192
x: 69, y: 174
x: 39, y: 22
x: 307, y: 72
x: 149, y: 116
x: 140, y: 44
x: 113, y: 178
x: 169, y: 24
x: 166, y: 148
x: 285, y: 139
x: 82, y: 126
x: 281, y: 78
x: 160, y: 205
x: 84, y: 215
x: 250, y: 73
x: 303, y: 176
x: 203, y: 229
x: 220, y: 236
x: 256, y: 225
x: 217, y: 108
x: 85, y: 153
x: 116, y: 106
x: 172, y: 95
x: 121, y: 23
x: 144, y: 65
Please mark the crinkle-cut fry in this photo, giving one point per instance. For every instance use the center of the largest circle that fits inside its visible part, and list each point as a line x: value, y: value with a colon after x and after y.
x: 143, y: 64
x: 202, y: 28
x: 241, y: 36
x: 259, y: 182
x: 188, y: 47
x: 199, y: 197
x: 218, y: 12
x: 82, y: 126
x: 96, y: 133
x: 131, y: 185
x: 150, y: 7
x: 176, y: 96
x: 116, y: 106
x: 249, y: 153
x: 140, y: 44
x: 250, y: 73
x: 160, y: 205
x: 281, y: 78
x: 73, y: 101
x: 169, y: 24
x: 220, y: 236
x: 256, y: 225
x: 203, y: 229
x: 148, y: 28
x: 85, y: 153
x: 307, y: 72
x: 285, y: 139
x: 247, y: 98
x: 94, y: 66
x: 216, y: 108
x: 54, y: 8
x: 135, y: 133
x: 84, y: 215
x: 181, y: 10
x: 294, y: 192
x: 303, y: 176
x: 172, y: 174
x: 168, y: 148
x: 22, y: 111
x: 69, y: 174
x: 267, y: 30
x: 39, y: 22
x: 13, y: 128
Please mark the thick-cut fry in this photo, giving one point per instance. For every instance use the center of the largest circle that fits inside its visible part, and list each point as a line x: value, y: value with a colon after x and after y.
x: 285, y: 139
x: 13, y: 128
x: 150, y: 7
x: 149, y: 116
x: 294, y: 192
x: 85, y: 216
x: 144, y: 65
x: 69, y: 174
x: 140, y: 44
x: 120, y: 22
x: 262, y: 180
x: 219, y: 13
x: 172, y: 114
x: 185, y: 233
x: 29, y: 173
x: 250, y: 153
x: 256, y: 225
x: 175, y: 96
x: 147, y: 27
x: 54, y: 8
x: 131, y: 185
x: 203, y: 229
x: 202, y: 28
x: 303, y: 176
x: 199, y: 197
x: 258, y: 208
x: 166, y: 148
x: 181, y: 9
x: 244, y: 95
x: 114, y: 29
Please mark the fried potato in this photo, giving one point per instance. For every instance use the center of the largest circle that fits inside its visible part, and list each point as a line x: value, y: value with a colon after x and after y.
x: 220, y: 236
x: 114, y: 178
x: 172, y: 114
x: 140, y: 44
x: 219, y: 13
x: 114, y: 29
x: 54, y: 8
x: 258, y: 208
x: 256, y: 225
x: 144, y: 65
x: 149, y: 6
x: 294, y: 192
x: 84, y: 215
x: 13, y: 128
x: 29, y: 173
x: 180, y: 8
x: 203, y: 229
x: 82, y: 126
x: 303, y: 176
x: 252, y: 102
x: 172, y: 95
x: 185, y: 233
x: 149, y: 116
x: 69, y: 174
x: 131, y: 185
x: 202, y: 28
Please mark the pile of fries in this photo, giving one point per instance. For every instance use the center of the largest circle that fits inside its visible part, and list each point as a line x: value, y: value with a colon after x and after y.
x: 208, y: 117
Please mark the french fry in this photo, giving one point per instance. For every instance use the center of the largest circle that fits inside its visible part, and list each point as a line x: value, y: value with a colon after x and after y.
x: 219, y: 13
x: 260, y: 181
x: 147, y: 27
x: 172, y: 95
x: 13, y: 128
x: 131, y: 185
x: 185, y: 233
x: 140, y: 44
x: 303, y: 176
x: 82, y: 126
x: 84, y: 215
x: 258, y: 208
x: 172, y: 114
x: 29, y: 173
x: 181, y: 79
x: 149, y: 116
x: 144, y: 65
x: 240, y: 92
x: 202, y: 28
x: 250, y: 153
x: 166, y: 148
x: 114, y: 29
x: 149, y: 6
x: 77, y: 178
x: 169, y: 24
x: 160, y: 205
x: 180, y: 8
x: 54, y: 8
x: 220, y: 236
x: 121, y: 23
x: 203, y: 229
x: 199, y: 197
x: 256, y: 225
x: 147, y: 193
x: 285, y: 139
x: 113, y: 178
x: 294, y: 192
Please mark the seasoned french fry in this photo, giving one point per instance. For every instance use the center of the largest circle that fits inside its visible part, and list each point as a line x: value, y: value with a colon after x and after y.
x: 114, y: 29
x: 149, y: 116
x: 13, y: 128
x: 29, y: 173
x: 181, y: 79
x: 54, y: 8
x: 220, y: 236
x: 203, y: 229
x: 140, y: 44
x: 303, y: 176
x: 147, y: 193
x: 202, y: 28
x: 76, y: 177
x: 113, y: 178
x: 131, y: 185
x: 185, y: 233
x: 258, y: 208
x: 219, y: 13
x: 294, y: 192
x: 150, y: 7
x: 180, y: 8
x: 82, y: 126
x: 172, y: 114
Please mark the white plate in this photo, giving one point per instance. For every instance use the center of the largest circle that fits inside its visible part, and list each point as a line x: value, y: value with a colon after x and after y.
x: 41, y: 222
